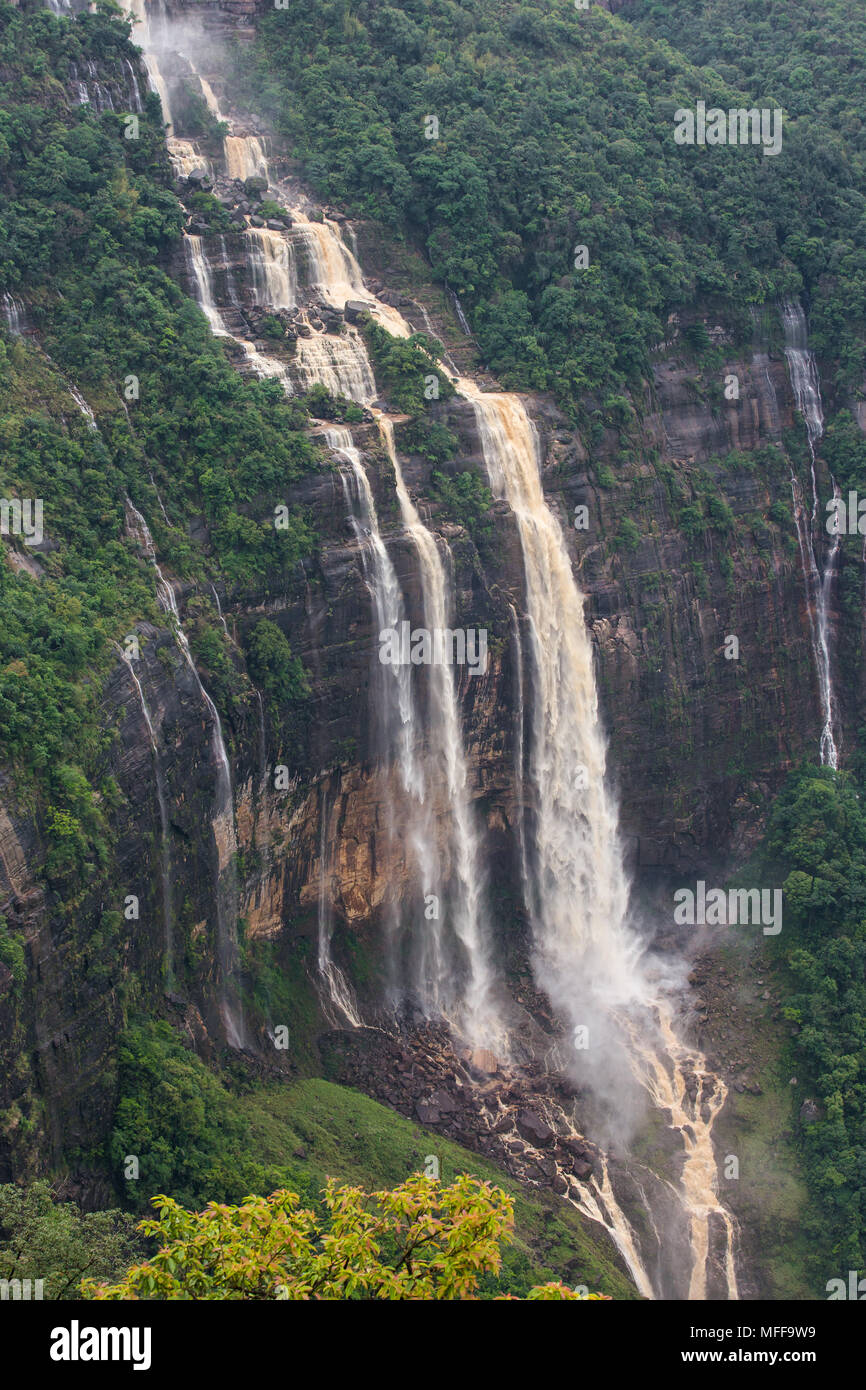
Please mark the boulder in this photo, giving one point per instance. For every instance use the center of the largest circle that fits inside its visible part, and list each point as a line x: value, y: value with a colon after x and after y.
x: 255, y: 186
x: 355, y: 310
x: 443, y: 1102
x: 575, y: 1146
x: 534, y: 1128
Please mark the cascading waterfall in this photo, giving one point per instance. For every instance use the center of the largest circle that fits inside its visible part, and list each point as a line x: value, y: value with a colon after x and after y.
x: 245, y: 157
x: 668, y: 1089
x: 198, y: 264
x: 222, y: 816
x: 272, y: 263
x: 341, y: 364
x: 200, y: 269
x: 806, y: 386
x: 13, y: 313
x: 586, y: 957
x: 185, y: 157
x: 397, y: 709
x: 479, y: 1017
x: 331, y: 267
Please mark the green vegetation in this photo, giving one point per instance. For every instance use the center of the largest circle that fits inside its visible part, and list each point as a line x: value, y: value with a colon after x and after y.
x: 555, y: 132
x: 87, y: 216
x: 199, y: 1137
x: 815, y: 846
x: 467, y: 499
x: 44, y: 1238
x: 406, y: 369
x: 272, y: 665
x: 421, y: 1241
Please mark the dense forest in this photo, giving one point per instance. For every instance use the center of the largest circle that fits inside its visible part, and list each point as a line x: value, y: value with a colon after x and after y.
x: 240, y: 1049
x: 554, y: 132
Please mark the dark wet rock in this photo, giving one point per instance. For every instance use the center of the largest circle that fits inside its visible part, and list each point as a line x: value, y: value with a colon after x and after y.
x: 534, y: 1128
x: 355, y: 310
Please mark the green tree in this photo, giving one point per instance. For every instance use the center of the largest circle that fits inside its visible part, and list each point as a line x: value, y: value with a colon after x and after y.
x: 43, y: 1238
x: 422, y: 1240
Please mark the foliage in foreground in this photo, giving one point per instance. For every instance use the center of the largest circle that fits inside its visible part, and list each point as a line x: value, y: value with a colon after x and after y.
x: 420, y: 1241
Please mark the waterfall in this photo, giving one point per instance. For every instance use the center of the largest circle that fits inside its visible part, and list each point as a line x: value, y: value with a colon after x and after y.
x: 83, y: 407
x: 103, y: 100
x: 431, y: 333
x: 207, y: 92
x: 203, y: 279
x: 231, y: 288
x: 340, y: 992
x: 461, y: 317
x: 579, y: 860
x: 805, y: 381
x: 219, y: 610
x: 165, y: 832
x: 13, y: 313
x: 398, y: 721
x: 331, y: 267
x: 272, y: 263
x: 201, y: 273
x: 586, y: 957
x: 134, y: 89
x: 245, y: 158
x: 339, y: 363
x: 222, y: 815
x: 478, y: 1015
x: 141, y: 34
x: 519, y: 744
x: 185, y: 157
x: 806, y: 386
x: 263, y: 739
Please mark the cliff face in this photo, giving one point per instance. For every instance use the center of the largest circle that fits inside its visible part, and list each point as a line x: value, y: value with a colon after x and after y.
x: 696, y: 739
